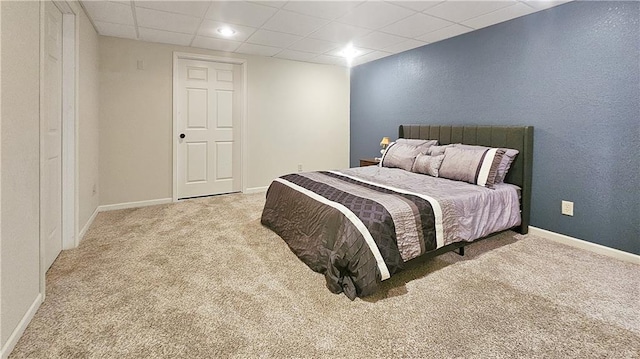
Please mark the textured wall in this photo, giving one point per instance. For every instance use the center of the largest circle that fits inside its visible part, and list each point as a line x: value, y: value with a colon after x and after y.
x: 571, y: 71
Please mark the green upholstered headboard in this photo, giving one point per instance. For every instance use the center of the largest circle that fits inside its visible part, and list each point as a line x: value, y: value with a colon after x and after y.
x: 516, y: 137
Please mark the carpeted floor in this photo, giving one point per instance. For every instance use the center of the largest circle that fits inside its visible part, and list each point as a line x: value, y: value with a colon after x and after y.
x: 203, y: 279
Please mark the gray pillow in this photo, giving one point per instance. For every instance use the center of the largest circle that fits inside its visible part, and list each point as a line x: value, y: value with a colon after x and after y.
x: 438, y: 150
x: 422, y: 144
x: 507, y: 159
x: 428, y: 165
x: 476, y: 166
x: 399, y: 155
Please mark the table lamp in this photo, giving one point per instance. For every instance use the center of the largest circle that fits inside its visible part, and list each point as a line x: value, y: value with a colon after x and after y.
x: 384, y: 143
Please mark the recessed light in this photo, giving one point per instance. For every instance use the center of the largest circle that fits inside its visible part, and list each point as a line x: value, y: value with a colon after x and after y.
x: 226, y: 31
x: 349, y: 52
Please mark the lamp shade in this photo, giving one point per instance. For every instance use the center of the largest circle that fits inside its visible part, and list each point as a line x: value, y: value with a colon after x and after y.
x: 385, y: 141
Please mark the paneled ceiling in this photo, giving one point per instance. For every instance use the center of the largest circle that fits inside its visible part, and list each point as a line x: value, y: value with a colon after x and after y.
x: 310, y: 31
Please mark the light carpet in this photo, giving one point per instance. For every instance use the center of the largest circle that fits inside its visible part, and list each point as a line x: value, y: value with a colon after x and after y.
x: 203, y: 279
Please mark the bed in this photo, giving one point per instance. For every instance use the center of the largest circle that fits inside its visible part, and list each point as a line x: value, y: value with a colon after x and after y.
x: 360, y: 226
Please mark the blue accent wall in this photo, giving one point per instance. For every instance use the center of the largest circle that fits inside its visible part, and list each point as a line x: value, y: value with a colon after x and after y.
x: 572, y: 71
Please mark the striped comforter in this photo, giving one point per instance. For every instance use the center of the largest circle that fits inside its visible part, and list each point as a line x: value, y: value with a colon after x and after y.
x: 357, y: 230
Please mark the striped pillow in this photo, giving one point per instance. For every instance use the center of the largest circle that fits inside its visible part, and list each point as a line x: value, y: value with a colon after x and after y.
x: 508, y: 158
x: 476, y: 166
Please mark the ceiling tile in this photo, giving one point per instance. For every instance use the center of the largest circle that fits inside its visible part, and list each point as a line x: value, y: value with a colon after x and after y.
x: 258, y: 50
x: 314, y: 45
x: 337, y: 32
x: 312, y: 31
x: 115, y: 30
x: 193, y: 8
x: 545, y: 4
x: 417, y: 5
x: 239, y: 12
x: 445, y: 33
x: 112, y: 12
x: 215, y: 44
x: 369, y: 57
x: 164, y: 37
x: 377, y: 40
x: 500, y: 15
x: 330, y: 60
x: 155, y: 19
x: 273, y: 38
x: 210, y: 28
x: 416, y: 25
x: 324, y: 9
x: 295, y: 55
x: 375, y: 14
x: 276, y: 4
x: 458, y: 11
x: 293, y: 23
x: 404, y: 46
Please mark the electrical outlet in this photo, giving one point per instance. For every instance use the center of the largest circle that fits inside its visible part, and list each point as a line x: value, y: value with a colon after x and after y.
x: 299, y: 168
x: 567, y: 208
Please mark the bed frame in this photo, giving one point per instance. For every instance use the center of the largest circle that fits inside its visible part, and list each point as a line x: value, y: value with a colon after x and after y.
x: 516, y: 137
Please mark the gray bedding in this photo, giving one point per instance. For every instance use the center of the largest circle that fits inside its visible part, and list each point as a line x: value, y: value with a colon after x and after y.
x: 358, y: 226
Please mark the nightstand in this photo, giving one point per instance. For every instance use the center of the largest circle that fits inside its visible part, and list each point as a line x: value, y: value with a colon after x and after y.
x: 369, y: 162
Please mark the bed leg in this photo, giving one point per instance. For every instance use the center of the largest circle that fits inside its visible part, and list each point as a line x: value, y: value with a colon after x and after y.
x: 460, y: 251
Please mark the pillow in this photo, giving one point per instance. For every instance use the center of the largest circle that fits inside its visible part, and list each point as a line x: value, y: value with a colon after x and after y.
x: 423, y: 144
x: 438, y: 150
x: 428, y: 165
x: 399, y: 155
x: 508, y: 158
x: 476, y: 166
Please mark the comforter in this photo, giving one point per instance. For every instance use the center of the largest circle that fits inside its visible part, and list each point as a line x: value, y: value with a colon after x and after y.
x: 359, y: 226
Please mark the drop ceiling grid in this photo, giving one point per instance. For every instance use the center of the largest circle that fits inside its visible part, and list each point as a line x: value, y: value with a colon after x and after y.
x: 304, y: 30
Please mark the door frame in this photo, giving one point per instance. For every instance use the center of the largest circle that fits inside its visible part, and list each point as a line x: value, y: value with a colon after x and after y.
x: 243, y: 120
x: 69, y: 83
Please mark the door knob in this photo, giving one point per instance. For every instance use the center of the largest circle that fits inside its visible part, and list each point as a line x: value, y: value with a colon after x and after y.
x: 182, y: 135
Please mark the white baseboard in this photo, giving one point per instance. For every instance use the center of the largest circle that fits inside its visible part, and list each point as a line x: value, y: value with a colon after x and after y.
x: 20, y: 328
x: 153, y: 202
x: 253, y: 190
x: 582, y: 244
x: 85, y: 228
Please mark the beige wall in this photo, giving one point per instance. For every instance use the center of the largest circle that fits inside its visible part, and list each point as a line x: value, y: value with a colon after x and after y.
x: 2, y: 340
x: 87, y: 126
x: 19, y: 160
x: 298, y: 113
x: 20, y: 157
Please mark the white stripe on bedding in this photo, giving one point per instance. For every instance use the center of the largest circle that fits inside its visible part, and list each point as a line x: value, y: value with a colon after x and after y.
x: 409, y: 237
x: 384, y: 271
x: 437, y: 210
x: 486, y: 166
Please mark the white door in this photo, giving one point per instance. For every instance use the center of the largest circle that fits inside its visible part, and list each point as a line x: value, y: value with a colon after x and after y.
x: 51, y: 151
x: 208, y: 129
